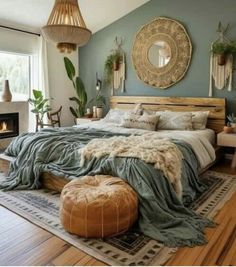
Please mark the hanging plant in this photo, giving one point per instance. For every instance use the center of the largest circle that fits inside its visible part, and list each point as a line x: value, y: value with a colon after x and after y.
x: 112, y: 64
x: 222, y: 50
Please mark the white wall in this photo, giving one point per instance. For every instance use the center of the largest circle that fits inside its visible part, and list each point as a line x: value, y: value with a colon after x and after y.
x: 14, y: 41
x: 59, y: 84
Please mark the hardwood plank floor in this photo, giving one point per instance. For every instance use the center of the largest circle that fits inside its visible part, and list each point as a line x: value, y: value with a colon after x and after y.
x: 22, y: 243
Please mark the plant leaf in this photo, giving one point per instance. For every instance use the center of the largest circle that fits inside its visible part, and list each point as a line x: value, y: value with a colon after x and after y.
x: 73, y: 112
x: 70, y: 69
x: 37, y: 94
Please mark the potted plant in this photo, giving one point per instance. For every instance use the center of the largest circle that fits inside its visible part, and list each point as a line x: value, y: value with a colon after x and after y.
x: 112, y: 64
x: 40, y: 105
x: 81, y: 99
x: 228, y: 128
x: 99, y: 101
x: 232, y: 121
x: 222, y: 50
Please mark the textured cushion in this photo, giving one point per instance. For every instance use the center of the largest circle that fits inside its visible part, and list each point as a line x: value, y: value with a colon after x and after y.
x: 199, y: 120
x: 147, y: 122
x: 170, y: 120
x: 98, y: 206
x: 116, y: 115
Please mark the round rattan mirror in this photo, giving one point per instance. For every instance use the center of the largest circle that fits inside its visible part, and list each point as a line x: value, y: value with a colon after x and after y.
x: 162, y: 53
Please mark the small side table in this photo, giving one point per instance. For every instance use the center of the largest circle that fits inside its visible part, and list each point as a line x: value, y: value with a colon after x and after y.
x: 85, y: 120
x: 228, y: 140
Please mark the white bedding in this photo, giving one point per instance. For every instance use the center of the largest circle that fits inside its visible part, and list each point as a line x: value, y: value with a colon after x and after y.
x: 201, y: 141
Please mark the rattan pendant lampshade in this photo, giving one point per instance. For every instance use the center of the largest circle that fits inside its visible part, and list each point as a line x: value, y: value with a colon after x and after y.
x: 66, y: 26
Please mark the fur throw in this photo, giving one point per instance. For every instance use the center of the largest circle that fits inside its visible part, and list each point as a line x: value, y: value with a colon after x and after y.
x: 150, y: 148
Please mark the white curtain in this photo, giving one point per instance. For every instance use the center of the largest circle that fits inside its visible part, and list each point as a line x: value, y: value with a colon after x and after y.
x: 43, y: 68
x: 39, y: 76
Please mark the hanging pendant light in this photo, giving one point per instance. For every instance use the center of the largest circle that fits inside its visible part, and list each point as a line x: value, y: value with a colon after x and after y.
x: 66, y: 26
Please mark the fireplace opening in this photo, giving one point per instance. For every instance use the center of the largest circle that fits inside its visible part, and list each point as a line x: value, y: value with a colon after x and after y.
x: 9, y: 125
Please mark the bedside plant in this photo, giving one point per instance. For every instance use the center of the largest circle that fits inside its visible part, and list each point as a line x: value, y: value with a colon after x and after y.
x: 100, y: 102
x: 40, y: 105
x: 81, y: 99
x: 232, y: 121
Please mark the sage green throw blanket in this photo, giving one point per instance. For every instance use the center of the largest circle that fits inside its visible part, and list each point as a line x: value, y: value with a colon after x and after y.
x: 162, y: 215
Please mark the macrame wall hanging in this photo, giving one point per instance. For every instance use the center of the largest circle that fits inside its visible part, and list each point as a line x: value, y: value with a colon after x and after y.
x: 221, y: 63
x: 115, y: 67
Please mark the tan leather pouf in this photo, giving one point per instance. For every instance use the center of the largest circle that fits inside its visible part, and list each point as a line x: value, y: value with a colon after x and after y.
x: 98, y: 206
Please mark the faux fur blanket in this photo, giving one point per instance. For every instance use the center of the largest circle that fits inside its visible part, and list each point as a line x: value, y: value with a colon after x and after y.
x: 150, y: 148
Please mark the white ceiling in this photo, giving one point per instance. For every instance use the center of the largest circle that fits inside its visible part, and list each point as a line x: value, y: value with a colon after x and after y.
x: 33, y: 14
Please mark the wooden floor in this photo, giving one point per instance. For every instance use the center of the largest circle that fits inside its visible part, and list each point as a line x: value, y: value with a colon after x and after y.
x: 22, y: 243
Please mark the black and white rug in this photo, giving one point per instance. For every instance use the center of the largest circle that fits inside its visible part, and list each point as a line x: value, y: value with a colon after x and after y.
x: 41, y: 207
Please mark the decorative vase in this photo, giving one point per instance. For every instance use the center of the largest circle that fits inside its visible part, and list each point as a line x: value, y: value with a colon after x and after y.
x: 233, y: 125
x: 6, y: 95
x: 221, y: 59
x: 94, y: 111
x: 228, y: 129
x: 99, y: 112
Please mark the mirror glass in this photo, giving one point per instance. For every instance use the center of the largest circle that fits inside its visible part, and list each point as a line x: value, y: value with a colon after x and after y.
x: 159, y: 54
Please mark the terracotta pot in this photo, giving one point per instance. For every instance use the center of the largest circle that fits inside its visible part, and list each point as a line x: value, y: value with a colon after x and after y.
x: 116, y: 65
x: 6, y: 95
x: 228, y: 129
x: 99, y: 112
x: 233, y: 126
x: 221, y: 59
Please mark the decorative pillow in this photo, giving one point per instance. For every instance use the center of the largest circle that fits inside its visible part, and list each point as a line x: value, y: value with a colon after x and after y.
x: 199, y: 120
x: 138, y: 110
x: 146, y: 122
x: 170, y: 120
x: 115, y: 116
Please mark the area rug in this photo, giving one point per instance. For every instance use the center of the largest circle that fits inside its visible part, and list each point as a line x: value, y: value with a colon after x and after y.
x: 41, y: 207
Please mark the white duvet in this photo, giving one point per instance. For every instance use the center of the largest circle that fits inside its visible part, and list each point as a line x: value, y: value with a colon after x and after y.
x: 199, y: 140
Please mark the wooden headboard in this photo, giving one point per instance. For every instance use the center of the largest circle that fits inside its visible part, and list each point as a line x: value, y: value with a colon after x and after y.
x: 216, y: 106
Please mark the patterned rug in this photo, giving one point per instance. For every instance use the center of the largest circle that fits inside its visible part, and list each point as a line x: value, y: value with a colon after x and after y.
x: 41, y: 207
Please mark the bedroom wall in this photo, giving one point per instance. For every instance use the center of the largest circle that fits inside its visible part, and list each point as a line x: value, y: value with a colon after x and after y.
x: 59, y: 85
x: 200, y: 18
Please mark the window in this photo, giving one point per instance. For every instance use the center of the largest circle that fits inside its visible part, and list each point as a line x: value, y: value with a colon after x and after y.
x: 16, y: 69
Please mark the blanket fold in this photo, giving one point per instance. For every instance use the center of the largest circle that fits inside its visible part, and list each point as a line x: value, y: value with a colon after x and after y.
x: 150, y: 148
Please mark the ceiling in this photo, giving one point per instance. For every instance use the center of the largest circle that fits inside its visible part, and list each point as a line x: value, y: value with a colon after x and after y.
x: 33, y: 14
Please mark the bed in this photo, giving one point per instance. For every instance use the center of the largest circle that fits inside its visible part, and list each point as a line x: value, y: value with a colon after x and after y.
x: 189, y: 143
x: 216, y: 121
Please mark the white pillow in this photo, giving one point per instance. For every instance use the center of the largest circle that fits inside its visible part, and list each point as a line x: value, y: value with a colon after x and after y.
x: 146, y: 122
x: 199, y: 120
x: 116, y: 115
x: 170, y: 120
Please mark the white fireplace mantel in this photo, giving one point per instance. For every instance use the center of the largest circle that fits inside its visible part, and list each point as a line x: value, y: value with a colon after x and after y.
x: 22, y: 107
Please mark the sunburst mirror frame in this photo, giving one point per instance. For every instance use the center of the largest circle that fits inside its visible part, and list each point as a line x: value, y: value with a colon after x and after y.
x: 174, y: 34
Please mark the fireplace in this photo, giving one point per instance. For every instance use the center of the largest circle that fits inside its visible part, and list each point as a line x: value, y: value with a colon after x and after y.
x: 9, y: 125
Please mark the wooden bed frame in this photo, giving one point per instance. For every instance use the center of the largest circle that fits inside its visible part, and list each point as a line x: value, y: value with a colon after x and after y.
x: 216, y: 121
x: 216, y: 106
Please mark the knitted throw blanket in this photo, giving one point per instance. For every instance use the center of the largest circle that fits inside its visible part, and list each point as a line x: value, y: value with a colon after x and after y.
x: 160, y: 152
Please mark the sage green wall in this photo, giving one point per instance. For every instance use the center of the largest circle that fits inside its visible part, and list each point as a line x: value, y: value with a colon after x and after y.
x: 200, y: 17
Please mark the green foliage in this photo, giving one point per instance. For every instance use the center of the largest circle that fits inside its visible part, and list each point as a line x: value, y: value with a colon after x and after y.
x: 115, y: 57
x: 224, y: 48
x: 81, y: 99
x: 40, y: 104
x: 231, y: 118
x: 99, y: 100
